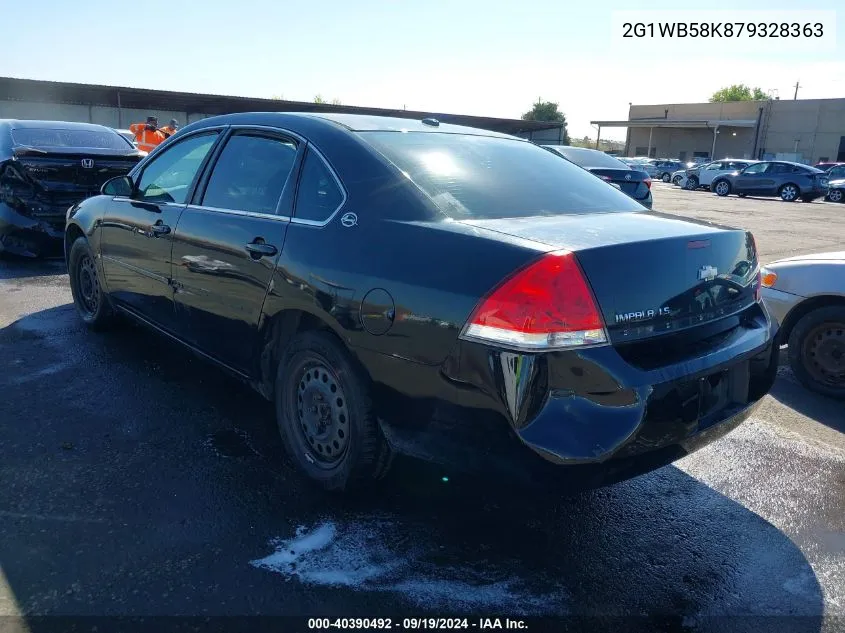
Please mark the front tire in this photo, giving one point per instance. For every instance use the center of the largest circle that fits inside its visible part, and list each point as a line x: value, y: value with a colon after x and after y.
x: 666, y: 177
x: 722, y: 188
x: 692, y: 183
x: 835, y: 195
x: 325, y: 414
x: 90, y: 300
x: 789, y: 192
x: 677, y: 180
x: 817, y: 351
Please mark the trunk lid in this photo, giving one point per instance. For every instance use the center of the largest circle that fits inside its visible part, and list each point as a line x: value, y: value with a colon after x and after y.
x: 651, y: 274
x: 630, y: 181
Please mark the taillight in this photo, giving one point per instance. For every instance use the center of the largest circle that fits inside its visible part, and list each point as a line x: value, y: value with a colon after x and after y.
x: 647, y: 182
x: 547, y: 305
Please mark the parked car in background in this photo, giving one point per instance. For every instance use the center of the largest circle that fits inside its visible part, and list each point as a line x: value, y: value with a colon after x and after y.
x: 836, y: 183
x: 665, y: 169
x: 47, y: 166
x: 630, y: 179
x: 806, y: 294
x: 826, y: 166
x: 703, y: 175
x: 679, y: 178
x: 366, y: 272
x: 790, y: 181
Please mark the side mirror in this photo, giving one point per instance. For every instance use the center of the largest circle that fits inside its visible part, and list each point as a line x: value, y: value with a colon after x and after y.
x: 119, y: 186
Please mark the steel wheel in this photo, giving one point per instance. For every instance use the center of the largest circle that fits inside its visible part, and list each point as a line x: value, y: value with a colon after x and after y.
x: 322, y: 414
x: 788, y: 193
x: 824, y: 354
x: 90, y: 293
x: 835, y: 195
x: 665, y: 177
x: 722, y: 188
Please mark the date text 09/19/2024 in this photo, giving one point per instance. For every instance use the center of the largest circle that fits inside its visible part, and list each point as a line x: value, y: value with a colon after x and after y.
x: 362, y: 624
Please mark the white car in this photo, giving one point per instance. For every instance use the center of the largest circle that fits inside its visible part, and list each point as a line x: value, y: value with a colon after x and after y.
x: 703, y: 175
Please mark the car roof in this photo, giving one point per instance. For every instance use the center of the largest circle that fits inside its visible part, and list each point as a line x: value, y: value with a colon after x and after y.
x: 348, y: 122
x: 23, y: 124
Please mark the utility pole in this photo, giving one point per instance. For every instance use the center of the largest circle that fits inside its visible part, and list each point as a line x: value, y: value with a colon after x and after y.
x: 795, y: 97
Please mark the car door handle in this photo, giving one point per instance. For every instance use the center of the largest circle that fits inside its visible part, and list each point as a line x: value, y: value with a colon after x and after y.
x: 159, y: 229
x: 257, y: 249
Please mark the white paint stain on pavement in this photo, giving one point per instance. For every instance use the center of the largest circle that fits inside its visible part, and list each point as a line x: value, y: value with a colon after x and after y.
x: 358, y: 555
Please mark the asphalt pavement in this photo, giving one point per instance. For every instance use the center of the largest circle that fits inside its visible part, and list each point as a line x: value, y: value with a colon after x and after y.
x: 136, y: 479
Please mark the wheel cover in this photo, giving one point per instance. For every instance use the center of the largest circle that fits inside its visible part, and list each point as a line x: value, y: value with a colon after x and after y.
x: 824, y: 354
x: 322, y: 417
x: 788, y: 192
x: 89, y: 285
x: 722, y: 188
x: 835, y: 195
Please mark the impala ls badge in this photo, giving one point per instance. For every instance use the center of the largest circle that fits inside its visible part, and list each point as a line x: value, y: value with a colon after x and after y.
x: 707, y: 273
x: 627, y: 176
x: 88, y: 163
x: 349, y: 219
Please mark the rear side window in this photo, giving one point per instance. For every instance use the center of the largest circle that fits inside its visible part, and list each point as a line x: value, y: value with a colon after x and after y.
x: 83, y: 139
x: 486, y: 177
x: 250, y: 174
x: 319, y: 195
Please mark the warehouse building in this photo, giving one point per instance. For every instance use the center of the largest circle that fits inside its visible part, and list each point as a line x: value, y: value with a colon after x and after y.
x: 804, y: 130
x: 118, y: 107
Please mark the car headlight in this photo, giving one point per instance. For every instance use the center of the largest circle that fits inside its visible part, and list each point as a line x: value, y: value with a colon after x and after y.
x: 768, y: 277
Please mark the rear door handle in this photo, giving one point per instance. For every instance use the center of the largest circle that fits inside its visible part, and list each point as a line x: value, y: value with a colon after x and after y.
x: 257, y: 249
x: 159, y: 229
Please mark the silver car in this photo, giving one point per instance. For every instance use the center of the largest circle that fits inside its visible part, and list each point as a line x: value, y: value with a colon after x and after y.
x: 806, y: 294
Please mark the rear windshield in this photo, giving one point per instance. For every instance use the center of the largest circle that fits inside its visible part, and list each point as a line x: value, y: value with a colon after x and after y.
x: 89, y: 139
x: 484, y: 177
x: 589, y: 157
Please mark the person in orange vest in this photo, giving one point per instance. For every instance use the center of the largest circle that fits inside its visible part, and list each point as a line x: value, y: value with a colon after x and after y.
x: 147, y: 135
x: 171, y: 128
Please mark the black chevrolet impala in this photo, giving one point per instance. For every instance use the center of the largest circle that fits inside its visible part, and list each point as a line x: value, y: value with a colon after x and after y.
x: 452, y: 294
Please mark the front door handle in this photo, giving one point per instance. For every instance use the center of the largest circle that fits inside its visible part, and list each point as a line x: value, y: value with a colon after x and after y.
x: 259, y: 249
x: 159, y: 229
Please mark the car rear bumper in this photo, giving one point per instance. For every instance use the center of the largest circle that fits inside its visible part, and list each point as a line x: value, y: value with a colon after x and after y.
x: 590, y: 414
x: 28, y: 237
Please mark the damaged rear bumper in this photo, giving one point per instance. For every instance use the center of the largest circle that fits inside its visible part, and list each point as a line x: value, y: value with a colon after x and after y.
x: 30, y: 236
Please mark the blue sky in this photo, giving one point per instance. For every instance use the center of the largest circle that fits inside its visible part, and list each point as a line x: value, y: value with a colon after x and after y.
x: 491, y: 57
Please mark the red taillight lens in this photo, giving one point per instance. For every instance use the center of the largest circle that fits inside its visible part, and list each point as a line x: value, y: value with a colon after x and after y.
x: 647, y: 182
x: 547, y: 305
x: 606, y: 178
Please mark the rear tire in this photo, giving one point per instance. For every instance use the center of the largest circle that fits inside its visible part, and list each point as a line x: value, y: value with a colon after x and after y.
x: 721, y: 188
x: 692, y: 183
x: 789, y: 192
x: 817, y: 351
x: 90, y: 300
x: 325, y: 414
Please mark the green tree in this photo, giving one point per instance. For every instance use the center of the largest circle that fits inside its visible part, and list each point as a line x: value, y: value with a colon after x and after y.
x: 738, y: 92
x: 547, y: 111
x: 319, y: 99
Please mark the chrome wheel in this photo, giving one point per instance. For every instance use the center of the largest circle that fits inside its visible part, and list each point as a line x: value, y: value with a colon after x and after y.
x: 722, y: 188
x: 322, y: 414
x: 824, y: 354
x: 788, y: 193
x: 835, y: 195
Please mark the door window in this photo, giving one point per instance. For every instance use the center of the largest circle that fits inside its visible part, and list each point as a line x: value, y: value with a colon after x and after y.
x: 250, y: 174
x: 319, y: 194
x: 713, y: 167
x: 756, y: 169
x: 169, y: 176
x: 836, y: 173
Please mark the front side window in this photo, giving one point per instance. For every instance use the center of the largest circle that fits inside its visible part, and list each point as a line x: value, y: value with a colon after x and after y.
x: 318, y: 195
x: 169, y: 176
x: 756, y: 169
x: 478, y: 177
x: 837, y: 173
x: 713, y: 167
x: 250, y: 174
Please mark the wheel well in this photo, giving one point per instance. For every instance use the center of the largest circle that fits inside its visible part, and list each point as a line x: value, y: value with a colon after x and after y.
x: 72, y: 233
x: 278, y: 331
x: 804, y: 308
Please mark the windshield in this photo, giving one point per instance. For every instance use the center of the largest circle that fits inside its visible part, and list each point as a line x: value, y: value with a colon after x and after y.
x: 485, y: 177
x: 589, y: 157
x: 89, y: 139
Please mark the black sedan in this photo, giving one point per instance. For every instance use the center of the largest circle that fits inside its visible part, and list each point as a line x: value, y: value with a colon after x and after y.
x: 635, y: 182
x: 786, y: 180
x: 452, y: 294
x: 45, y: 167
